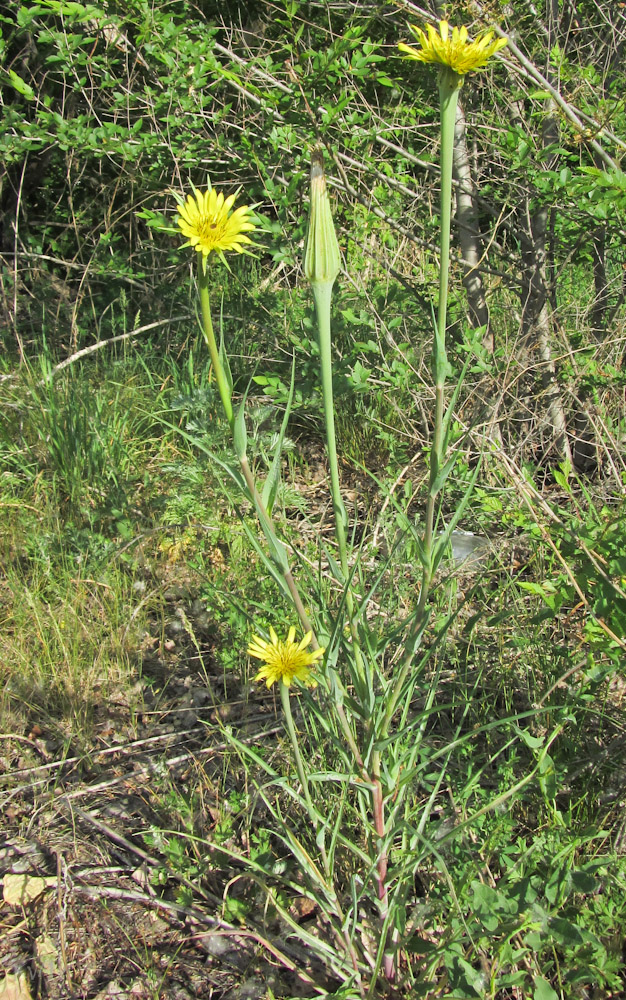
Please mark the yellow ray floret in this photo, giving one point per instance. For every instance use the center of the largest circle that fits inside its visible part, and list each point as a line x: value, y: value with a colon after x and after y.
x: 284, y: 660
x: 452, y: 48
x: 205, y: 218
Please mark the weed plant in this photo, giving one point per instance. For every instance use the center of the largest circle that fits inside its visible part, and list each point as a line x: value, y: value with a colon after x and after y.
x: 382, y: 746
x: 474, y: 847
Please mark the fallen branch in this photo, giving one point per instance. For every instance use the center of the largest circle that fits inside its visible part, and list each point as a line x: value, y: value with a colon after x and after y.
x: 85, y: 351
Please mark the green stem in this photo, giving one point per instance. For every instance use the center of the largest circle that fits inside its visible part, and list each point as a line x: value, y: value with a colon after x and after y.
x: 209, y: 336
x: 226, y: 398
x: 269, y: 529
x: 449, y: 84
x: 291, y: 729
x: 322, y: 293
x: 343, y: 935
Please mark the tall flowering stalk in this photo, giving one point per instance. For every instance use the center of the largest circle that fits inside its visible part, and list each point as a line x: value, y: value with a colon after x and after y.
x: 207, y: 220
x: 283, y: 662
x: 455, y: 55
x: 322, y: 263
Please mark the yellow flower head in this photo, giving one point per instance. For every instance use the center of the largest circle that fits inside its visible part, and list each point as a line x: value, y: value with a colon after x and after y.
x: 453, y: 50
x: 284, y: 660
x: 205, y: 218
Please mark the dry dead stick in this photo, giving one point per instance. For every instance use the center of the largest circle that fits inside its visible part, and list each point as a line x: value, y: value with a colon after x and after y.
x: 146, y: 858
x: 139, y: 772
x: 194, y: 916
x: 85, y: 351
x: 113, y: 835
x: 61, y: 916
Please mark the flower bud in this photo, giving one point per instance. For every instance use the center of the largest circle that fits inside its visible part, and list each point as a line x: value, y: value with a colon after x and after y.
x: 322, y: 260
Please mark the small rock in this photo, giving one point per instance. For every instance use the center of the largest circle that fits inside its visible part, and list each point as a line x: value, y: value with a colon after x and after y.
x: 112, y: 991
x: 251, y: 989
x: 174, y: 628
x: 15, y: 987
x: 47, y: 955
x: 199, y: 697
x: 19, y: 890
x: 225, y: 948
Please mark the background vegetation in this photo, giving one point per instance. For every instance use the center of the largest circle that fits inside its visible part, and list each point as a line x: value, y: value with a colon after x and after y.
x: 124, y: 565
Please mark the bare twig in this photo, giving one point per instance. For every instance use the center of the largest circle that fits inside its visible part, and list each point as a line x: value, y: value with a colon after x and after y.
x: 92, y: 348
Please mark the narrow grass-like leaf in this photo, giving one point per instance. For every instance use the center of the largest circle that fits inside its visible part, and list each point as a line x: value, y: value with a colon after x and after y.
x: 240, y: 435
x: 270, y: 486
x: 443, y: 540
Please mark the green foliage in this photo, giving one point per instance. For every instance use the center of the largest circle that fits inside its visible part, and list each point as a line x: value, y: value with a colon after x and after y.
x: 591, y: 575
x: 543, y: 911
